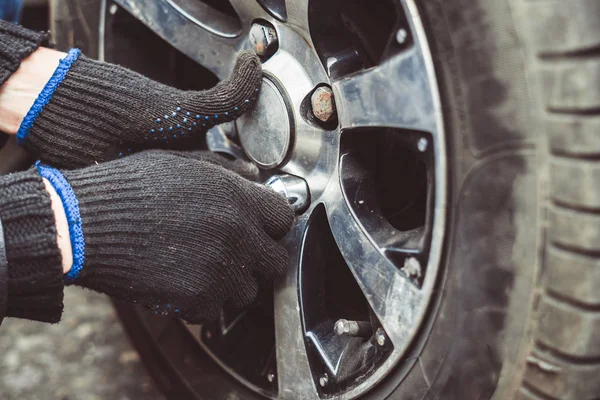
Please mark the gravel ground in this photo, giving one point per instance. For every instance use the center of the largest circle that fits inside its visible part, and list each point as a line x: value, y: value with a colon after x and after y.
x: 87, y: 356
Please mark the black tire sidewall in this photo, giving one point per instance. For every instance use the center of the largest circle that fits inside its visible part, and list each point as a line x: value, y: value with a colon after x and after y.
x: 477, y: 335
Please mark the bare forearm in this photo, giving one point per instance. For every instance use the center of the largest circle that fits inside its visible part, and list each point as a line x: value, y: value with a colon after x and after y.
x: 17, y: 96
x: 19, y: 92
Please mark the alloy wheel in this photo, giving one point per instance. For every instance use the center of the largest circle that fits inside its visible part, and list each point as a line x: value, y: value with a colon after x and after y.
x: 349, y: 126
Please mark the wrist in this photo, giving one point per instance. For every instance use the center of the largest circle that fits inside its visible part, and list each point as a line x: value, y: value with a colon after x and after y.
x: 20, y: 91
x: 63, y: 239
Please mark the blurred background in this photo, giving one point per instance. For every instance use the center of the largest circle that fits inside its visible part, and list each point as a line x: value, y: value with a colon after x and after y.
x: 87, y: 356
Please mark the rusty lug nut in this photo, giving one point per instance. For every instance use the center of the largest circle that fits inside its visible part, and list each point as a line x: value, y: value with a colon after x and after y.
x: 322, y: 103
x: 263, y: 39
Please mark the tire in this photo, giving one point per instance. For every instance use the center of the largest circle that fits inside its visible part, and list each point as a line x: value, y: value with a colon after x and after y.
x: 517, y: 309
x: 521, y: 100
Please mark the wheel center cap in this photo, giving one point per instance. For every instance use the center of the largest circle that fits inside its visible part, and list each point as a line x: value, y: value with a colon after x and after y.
x: 265, y: 131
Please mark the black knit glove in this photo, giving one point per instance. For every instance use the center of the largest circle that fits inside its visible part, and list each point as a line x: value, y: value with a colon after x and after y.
x: 177, y: 233
x: 16, y: 43
x: 91, y: 111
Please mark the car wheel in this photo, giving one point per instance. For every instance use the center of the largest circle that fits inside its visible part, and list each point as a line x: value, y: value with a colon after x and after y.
x: 442, y: 158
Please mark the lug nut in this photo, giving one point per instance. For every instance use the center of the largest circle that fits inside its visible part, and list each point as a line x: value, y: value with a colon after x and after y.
x: 380, y: 337
x: 352, y: 328
x: 293, y: 188
x: 322, y: 103
x: 422, y: 144
x: 263, y: 39
x: 323, y: 380
x: 401, y: 35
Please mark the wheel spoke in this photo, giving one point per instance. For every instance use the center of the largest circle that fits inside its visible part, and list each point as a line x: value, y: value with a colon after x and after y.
x: 295, y: 378
x: 211, y: 44
x: 248, y: 10
x: 392, y: 296
x: 397, y: 93
x: 297, y: 14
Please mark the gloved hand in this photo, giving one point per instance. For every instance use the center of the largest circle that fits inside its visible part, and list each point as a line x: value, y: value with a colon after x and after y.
x: 91, y: 111
x: 176, y: 232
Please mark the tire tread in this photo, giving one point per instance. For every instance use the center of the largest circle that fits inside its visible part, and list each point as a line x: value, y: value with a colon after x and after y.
x: 573, y: 276
x: 564, y: 39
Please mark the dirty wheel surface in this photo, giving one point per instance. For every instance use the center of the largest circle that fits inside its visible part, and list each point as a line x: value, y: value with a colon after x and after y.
x: 441, y: 157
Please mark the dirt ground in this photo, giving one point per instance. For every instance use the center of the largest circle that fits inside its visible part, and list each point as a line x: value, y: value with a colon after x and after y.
x: 87, y: 356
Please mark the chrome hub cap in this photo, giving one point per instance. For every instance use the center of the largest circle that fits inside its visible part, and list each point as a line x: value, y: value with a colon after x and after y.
x: 265, y: 132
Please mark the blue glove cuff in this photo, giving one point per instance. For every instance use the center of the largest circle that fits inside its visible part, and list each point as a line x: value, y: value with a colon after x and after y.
x: 46, y: 94
x: 71, y: 206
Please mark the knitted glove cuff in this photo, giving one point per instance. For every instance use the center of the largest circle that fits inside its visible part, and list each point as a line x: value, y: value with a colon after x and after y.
x: 71, y: 207
x: 46, y: 95
x: 35, y: 274
x: 16, y: 44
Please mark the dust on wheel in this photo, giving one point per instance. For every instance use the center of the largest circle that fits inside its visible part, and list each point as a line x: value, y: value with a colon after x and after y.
x: 442, y: 158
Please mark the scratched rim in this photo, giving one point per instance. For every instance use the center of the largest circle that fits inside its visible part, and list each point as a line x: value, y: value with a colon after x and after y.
x: 393, y: 266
